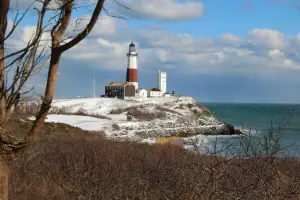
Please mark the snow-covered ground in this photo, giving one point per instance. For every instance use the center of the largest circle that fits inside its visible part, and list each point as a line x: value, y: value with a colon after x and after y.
x: 82, y: 122
x: 151, y: 117
x: 105, y: 105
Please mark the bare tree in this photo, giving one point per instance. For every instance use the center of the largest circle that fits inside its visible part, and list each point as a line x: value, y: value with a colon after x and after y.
x: 57, y: 49
x: 30, y: 60
x: 28, y: 63
x: 22, y: 63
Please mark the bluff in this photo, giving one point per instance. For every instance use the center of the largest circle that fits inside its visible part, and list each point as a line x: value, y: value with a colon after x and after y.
x: 139, y: 119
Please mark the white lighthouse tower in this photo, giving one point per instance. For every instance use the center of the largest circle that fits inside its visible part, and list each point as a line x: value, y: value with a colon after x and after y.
x: 162, y: 81
x: 132, y: 73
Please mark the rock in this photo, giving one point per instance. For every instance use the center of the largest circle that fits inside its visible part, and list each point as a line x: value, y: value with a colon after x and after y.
x: 238, y: 131
x: 231, y: 130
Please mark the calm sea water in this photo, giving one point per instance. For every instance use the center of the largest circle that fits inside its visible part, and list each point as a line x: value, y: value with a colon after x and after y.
x: 258, y: 118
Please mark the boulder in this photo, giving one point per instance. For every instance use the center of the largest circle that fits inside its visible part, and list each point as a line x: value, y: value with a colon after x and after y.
x: 231, y: 130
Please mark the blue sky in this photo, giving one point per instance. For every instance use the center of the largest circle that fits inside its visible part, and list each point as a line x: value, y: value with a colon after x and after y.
x: 213, y: 50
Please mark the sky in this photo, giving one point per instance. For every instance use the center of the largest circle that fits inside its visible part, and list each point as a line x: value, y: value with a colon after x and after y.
x: 215, y: 51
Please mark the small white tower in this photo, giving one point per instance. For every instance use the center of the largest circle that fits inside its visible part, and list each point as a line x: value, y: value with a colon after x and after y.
x: 162, y: 81
x: 132, y: 74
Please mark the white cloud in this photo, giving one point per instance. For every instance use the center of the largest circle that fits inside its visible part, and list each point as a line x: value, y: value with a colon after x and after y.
x: 100, y: 53
x: 172, y: 10
x: 229, y: 39
x: 267, y: 38
x: 159, y: 48
x: 23, y: 4
x: 105, y: 26
x: 162, y: 55
x: 276, y: 53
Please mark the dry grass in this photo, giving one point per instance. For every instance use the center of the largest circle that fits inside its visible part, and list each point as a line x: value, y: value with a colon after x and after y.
x: 117, y: 111
x: 140, y: 113
x: 163, y: 109
x: 31, y: 109
x: 116, y: 127
x: 204, y: 109
x: 80, y: 168
x: 27, y: 109
x: 64, y: 111
x: 19, y: 127
x: 81, y: 113
x: 68, y: 163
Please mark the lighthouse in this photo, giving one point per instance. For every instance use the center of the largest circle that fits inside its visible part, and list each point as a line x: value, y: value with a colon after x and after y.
x: 131, y: 75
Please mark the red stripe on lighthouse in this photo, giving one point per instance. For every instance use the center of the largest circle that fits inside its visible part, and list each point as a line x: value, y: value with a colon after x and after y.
x: 131, y: 75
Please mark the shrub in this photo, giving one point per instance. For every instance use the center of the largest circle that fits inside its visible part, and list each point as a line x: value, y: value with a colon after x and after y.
x: 204, y: 109
x: 59, y: 111
x: 160, y: 108
x: 28, y: 108
x: 115, y: 127
x: 160, y: 114
x: 238, y: 131
x: 82, y: 113
x: 117, y: 111
x: 190, y: 105
x: 78, y: 168
x: 129, y: 118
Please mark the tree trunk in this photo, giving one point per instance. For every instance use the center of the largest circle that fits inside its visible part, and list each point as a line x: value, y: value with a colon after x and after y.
x: 2, y: 88
x: 48, y: 97
x: 3, y: 178
x: 4, y: 5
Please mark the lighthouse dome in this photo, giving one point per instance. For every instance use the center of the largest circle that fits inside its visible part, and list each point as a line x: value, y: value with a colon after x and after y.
x: 132, y: 47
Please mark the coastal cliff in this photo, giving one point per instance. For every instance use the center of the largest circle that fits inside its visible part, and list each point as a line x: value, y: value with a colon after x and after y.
x: 139, y: 119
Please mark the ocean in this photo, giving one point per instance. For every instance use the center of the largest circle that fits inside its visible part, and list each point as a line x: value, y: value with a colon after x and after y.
x: 256, y: 120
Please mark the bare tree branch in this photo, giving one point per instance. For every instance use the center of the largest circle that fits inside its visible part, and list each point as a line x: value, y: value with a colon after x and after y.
x: 87, y: 30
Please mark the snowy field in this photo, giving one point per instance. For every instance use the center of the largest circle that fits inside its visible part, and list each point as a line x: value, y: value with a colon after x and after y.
x: 103, y: 106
